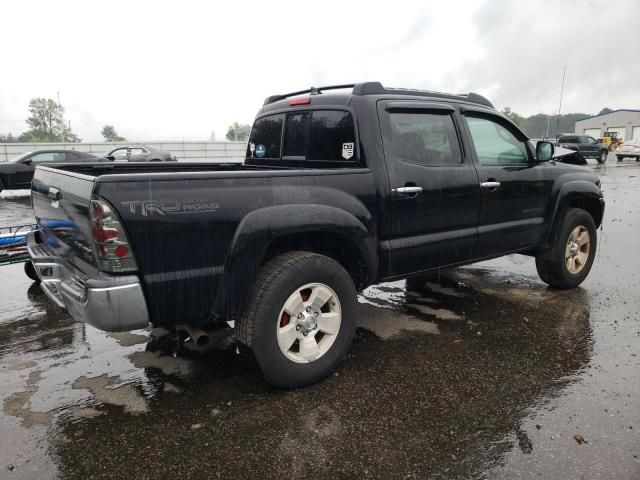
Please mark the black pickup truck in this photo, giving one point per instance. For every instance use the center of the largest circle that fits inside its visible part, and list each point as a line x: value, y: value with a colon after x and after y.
x: 586, y: 146
x: 339, y: 190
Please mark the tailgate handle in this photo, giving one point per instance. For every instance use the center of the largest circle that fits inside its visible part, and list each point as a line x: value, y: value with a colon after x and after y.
x: 54, y: 193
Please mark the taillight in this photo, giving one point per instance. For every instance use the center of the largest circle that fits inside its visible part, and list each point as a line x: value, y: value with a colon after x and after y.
x: 300, y: 101
x: 110, y: 244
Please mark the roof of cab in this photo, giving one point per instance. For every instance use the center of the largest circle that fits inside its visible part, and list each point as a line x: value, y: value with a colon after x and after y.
x: 277, y: 102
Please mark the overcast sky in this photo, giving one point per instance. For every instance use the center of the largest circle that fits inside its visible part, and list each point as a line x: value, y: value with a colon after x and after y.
x: 179, y: 69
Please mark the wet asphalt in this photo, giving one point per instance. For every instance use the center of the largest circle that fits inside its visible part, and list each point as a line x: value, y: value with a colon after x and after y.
x: 478, y: 372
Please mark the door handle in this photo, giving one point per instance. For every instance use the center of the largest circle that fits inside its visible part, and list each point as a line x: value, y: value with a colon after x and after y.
x: 490, y: 186
x: 409, y: 191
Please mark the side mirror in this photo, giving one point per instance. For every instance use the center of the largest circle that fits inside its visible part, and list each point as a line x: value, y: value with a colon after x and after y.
x: 544, y: 151
x: 27, y: 162
x: 110, y: 157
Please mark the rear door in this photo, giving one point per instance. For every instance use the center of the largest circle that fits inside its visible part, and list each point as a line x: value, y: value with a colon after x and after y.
x: 138, y: 154
x: 515, y: 189
x: 434, y: 204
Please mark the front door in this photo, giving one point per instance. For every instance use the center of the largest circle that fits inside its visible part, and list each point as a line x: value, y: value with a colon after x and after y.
x: 515, y: 189
x: 589, y: 147
x: 27, y: 167
x: 434, y: 203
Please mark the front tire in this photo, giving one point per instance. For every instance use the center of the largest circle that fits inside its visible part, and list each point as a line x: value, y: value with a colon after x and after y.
x: 301, y: 319
x: 567, y: 262
x: 603, y: 156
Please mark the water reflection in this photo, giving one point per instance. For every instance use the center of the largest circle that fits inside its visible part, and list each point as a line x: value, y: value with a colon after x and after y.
x: 418, y: 403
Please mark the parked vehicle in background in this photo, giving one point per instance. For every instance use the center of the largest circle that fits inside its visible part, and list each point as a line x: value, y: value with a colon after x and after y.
x: 630, y: 149
x: 18, y: 171
x: 586, y: 146
x: 338, y: 191
x: 139, y: 153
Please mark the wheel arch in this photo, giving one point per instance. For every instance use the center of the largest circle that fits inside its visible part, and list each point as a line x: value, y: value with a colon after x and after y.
x: 577, y: 194
x: 271, y: 231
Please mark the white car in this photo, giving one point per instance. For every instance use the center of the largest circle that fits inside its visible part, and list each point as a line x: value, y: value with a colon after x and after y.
x: 630, y: 148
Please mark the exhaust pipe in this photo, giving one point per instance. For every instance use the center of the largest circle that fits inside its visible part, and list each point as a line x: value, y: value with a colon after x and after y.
x: 198, y: 337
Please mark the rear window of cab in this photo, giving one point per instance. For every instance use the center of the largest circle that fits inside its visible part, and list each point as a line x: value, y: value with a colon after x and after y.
x: 312, y: 135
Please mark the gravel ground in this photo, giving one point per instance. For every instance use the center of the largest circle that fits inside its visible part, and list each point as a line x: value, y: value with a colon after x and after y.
x: 480, y: 372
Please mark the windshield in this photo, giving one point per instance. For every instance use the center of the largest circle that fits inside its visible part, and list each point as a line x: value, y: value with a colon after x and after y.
x: 19, y: 157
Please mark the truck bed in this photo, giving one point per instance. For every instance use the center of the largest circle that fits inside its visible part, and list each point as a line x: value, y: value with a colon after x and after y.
x: 183, y: 219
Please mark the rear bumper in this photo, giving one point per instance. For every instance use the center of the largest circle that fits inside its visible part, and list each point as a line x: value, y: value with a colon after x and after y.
x: 111, y: 303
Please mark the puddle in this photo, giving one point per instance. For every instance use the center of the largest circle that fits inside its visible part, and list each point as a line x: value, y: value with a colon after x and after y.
x: 389, y: 323
x: 105, y: 391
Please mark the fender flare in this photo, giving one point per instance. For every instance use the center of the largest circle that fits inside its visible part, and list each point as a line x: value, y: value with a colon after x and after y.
x: 261, y: 227
x: 567, y: 193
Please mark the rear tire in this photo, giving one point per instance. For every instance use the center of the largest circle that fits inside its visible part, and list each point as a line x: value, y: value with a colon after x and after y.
x: 604, y: 154
x: 620, y: 158
x: 30, y: 270
x: 568, y: 260
x: 290, y: 290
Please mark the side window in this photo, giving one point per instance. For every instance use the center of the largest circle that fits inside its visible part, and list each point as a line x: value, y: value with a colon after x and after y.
x: 137, y: 151
x: 47, y: 157
x: 331, y: 136
x: 295, y: 135
x: 264, y: 141
x: 425, y: 138
x: 494, y: 144
x: 591, y: 140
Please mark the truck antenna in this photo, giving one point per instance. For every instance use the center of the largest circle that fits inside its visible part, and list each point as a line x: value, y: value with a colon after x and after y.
x: 564, y: 71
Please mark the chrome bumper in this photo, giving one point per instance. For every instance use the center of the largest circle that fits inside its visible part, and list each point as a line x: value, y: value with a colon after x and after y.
x: 111, y: 303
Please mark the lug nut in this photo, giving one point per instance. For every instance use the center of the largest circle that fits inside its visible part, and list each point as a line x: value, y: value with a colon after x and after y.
x: 305, y: 333
x: 298, y: 327
x: 308, y: 309
x: 300, y: 315
x: 315, y: 314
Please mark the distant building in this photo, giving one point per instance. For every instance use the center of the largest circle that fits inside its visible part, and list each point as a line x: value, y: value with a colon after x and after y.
x: 625, y: 122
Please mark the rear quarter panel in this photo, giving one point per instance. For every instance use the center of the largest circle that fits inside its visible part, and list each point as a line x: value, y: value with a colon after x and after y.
x: 181, y: 230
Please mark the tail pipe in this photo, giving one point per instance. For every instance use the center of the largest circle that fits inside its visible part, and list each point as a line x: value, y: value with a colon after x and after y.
x: 199, y: 337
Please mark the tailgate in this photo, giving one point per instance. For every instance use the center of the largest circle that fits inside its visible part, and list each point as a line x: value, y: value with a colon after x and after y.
x: 61, y: 202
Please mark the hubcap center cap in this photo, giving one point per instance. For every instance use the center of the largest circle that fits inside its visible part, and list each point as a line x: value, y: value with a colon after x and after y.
x: 307, y: 322
x: 574, y: 248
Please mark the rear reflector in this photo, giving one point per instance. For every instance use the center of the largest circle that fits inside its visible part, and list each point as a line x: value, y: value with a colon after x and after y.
x: 300, y: 101
x: 110, y: 244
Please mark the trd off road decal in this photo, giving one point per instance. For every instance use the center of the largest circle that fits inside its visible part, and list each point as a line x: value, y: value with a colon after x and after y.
x: 347, y: 150
x: 170, y: 207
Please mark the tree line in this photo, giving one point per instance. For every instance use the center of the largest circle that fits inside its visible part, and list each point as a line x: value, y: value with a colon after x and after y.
x: 542, y: 125
x: 47, y: 124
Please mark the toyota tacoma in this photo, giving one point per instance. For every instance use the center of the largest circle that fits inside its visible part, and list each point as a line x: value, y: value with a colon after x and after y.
x: 342, y: 187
